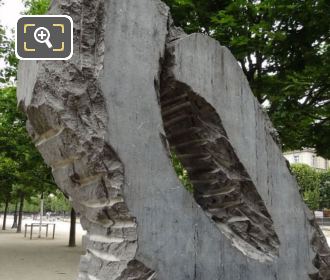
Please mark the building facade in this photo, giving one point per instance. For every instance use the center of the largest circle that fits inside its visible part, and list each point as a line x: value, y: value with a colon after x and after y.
x: 309, y: 157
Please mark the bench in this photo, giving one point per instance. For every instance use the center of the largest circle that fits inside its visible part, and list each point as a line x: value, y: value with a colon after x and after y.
x: 38, y: 225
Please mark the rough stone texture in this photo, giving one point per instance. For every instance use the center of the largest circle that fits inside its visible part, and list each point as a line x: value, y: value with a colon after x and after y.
x: 105, y: 121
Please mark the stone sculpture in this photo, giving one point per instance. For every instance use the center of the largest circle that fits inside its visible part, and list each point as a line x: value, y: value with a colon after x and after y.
x: 105, y: 121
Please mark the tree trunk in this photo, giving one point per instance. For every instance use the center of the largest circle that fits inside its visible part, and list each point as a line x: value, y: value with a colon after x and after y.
x: 5, y: 215
x: 41, y: 213
x: 15, y: 216
x: 20, y: 213
x: 72, y: 240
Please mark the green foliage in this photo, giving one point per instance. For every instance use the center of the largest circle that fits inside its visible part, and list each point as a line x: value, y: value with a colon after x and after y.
x: 32, y: 205
x: 36, y: 7
x: 283, y: 48
x: 181, y: 172
x: 7, y: 177
x: 22, y: 170
x: 309, y: 183
x: 314, y: 185
x: 196, y: 15
x: 312, y: 199
x: 56, y: 203
x: 325, y: 189
x: 7, y: 45
x: 21, y: 167
x: 7, y: 53
x: 2, y: 37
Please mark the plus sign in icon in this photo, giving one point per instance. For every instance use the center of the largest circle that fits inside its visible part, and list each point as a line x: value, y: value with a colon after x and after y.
x: 44, y: 38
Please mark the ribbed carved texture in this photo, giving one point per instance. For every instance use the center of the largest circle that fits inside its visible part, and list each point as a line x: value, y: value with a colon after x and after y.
x: 222, y: 187
x: 67, y: 121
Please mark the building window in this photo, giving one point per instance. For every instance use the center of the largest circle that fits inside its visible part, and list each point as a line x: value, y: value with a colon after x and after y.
x: 296, y: 159
x: 314, y: 161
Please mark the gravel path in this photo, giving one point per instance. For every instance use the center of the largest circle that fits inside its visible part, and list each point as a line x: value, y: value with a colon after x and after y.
x: 326, y: 230
x: 22, y: 258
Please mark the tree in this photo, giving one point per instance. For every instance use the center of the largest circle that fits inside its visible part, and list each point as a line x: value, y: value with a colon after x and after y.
x: 7, y: 45
x: 7, y: 178
x: 309, y: 184
x: 36, y: 7
x: 23, y: 173
x: 72, y: 238
x: 7, y: 53
x: 15, y: 216
x: 58, y: 203
x: 5, y: 215
x: 283, y: 48
x: 22, y: 170
x: 20, y: 212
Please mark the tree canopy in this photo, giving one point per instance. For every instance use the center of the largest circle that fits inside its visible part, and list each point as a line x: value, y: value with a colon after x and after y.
x: 36, y: 7
x: 22, y: 169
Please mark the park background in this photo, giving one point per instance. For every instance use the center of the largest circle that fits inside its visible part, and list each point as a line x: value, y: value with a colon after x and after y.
x: 283, y: 48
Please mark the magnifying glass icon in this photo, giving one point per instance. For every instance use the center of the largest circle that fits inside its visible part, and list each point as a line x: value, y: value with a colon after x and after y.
x: 42, y: 35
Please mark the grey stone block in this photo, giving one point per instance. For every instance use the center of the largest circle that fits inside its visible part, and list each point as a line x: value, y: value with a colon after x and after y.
x: 105, y: 121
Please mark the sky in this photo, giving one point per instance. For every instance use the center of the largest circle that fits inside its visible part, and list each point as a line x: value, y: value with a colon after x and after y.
x: 9, y: 13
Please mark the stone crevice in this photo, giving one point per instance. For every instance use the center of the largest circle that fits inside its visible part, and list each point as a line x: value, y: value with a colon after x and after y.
x: 221, y: 185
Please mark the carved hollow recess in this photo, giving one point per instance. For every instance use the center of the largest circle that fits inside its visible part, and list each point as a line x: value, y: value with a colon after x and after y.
x: 175, y: 96
x: 221, y: 185
x: 322, y: 253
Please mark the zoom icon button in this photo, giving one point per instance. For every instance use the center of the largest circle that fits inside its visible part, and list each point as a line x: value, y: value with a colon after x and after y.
x: 41, y: 35
x: 44, y: 38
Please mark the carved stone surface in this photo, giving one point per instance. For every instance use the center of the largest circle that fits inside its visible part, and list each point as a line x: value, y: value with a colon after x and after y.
x: 105, y: 121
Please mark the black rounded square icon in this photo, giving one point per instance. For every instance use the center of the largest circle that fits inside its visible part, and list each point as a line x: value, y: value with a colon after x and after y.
x: 44, y: 37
